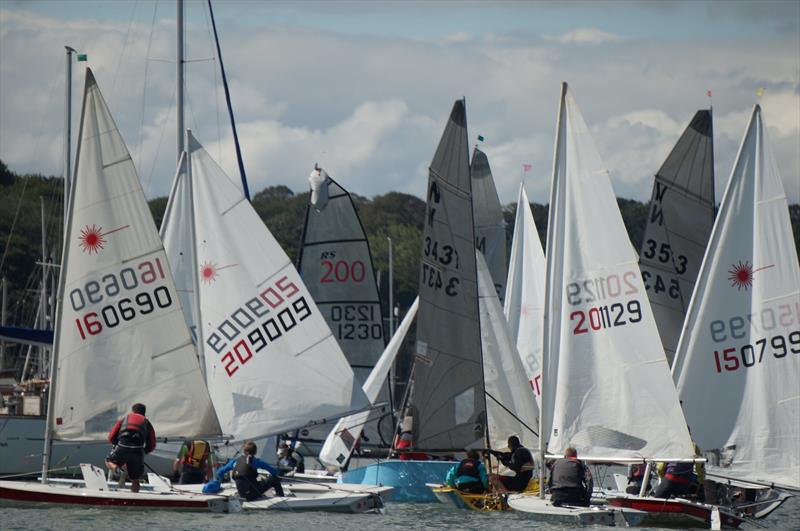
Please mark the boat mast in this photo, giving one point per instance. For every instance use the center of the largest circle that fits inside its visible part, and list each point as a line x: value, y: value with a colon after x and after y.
x: 180, y: 66
x: 239, y: 160
x: 42, y: 322
x: 67, y: 128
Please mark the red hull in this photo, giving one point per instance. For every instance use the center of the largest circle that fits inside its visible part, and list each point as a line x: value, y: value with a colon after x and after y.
x: 58, y: 498
x: 675, y: 510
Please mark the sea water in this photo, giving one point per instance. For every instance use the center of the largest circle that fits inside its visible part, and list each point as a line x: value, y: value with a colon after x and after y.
x: 397, y: 516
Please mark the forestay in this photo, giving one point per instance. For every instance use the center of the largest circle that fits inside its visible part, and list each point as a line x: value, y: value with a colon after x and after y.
x: 342, y: 439
x: 490, y: 225
x: 678, y: 227
x: 271, y: 362
x: 336, y: 266
x: 524, y: 303
x: 606, y: 380
x: 510, y: 407
x: 448, y: 391
x: 120, y: 334
x: 738, y: 363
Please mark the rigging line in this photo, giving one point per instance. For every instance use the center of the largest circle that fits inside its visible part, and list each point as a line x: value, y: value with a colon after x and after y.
x: 216, y: 86
x: 124, y: 48
x: 511, y: 413
x: 139, y: 146
x: 159, y: 144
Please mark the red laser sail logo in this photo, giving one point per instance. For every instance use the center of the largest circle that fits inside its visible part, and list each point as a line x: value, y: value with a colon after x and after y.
x: 209, y: 271
x: 92, y: 239
x: 741, y: 274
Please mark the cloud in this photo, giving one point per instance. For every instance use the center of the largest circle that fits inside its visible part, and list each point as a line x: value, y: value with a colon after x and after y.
x: 587, y: 36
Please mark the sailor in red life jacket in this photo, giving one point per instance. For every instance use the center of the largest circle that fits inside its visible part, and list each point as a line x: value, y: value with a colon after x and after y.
x: 133, y: 437
x: 405, y: 441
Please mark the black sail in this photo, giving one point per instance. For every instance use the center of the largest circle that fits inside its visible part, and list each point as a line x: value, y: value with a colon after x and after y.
x: 490, y: 225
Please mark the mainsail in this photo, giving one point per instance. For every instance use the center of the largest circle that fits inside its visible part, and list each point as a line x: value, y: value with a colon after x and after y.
x: 509, y: 405
x: 524, y: 304
x: 678, y: 227
x: 738, y: 362
x: 271, y: 362
x: 336, y: 266
x: 448, y: 391
x: 120, y: 335
x: 490, y: 225
x: 342, y: 439
x: 606, y: 389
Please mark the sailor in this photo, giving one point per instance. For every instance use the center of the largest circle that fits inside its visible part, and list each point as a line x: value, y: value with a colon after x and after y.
x: 244, y: 472
x: 635, y: 478
x: 681, y: 479
x: 133, y: 437
x: 520, y: 460
x: 570, y: 481
x: 195, y: 463
x: 290, y: 460
x: 469, y: 475
x: 405, y: 441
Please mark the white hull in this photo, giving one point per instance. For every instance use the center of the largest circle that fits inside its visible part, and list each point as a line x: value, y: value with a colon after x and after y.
x: 545, y: 511
x: 22, y: 440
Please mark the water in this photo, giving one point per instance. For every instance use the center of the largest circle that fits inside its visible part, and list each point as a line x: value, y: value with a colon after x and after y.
x: 398, y: 516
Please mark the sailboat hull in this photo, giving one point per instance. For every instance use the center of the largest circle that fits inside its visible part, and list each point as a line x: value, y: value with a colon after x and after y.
x: 677, y: 512
x: 408, y: 478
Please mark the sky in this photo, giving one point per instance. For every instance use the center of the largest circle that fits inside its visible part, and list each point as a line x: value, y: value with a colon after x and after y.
x: 365, y: 88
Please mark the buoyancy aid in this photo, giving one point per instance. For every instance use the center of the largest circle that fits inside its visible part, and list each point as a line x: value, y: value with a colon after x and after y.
x: 196, y: 454
x: 680, y: 472
x: 568, y: 474
x: 244, y: 469
x: 469, y: 467
x: 133, y: 431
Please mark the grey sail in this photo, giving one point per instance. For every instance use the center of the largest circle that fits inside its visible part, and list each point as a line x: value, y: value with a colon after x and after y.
x: 447, y: 399
x: 490, y: 225
x: 678, y: 227
x: 336, y: 265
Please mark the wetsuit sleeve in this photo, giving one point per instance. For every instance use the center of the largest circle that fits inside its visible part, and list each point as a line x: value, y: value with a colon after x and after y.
x: 113, y: 435
x: 450, y: 479
x: 516, y: 461
x: 269, y: 468
x: 224, y: 470
x: 151, y: 439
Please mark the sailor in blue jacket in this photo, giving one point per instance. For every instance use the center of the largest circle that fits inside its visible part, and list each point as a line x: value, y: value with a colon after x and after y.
x: 469, y: 475
x: 244, y: 472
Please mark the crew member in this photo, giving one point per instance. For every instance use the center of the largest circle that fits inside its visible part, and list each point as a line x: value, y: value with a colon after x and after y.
x: 518, y: 459
x: 132, y: 436
x: 244, y: 472
x: 290, y: 460
x: 570, y: 481
x: 469, y: 475
x: 195, y: 463
x: 682, y: 479
x: 635, y: 478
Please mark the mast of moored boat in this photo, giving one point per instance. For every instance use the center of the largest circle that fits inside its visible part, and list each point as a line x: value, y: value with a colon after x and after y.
x: 180, y: 64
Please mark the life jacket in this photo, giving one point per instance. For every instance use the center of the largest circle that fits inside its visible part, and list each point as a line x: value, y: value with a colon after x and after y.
x: 244, y: 469
x: 196, y: 454
x: 680, y: 472
x: 469, y: 467
x: 133, y: 431
x: 568, y: 474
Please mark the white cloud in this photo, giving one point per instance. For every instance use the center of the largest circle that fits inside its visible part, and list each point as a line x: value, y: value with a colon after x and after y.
x: 587, y: 36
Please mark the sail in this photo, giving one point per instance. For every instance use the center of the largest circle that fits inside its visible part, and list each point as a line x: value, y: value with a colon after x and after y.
x: 120, y: 336
x: 524, y: 304
x: 490, y: 225
x: 606, y: 381
x: 738, y: 362
x: 342, y: 439
x: 336, y: 266
x: 510, y: 407
x: 271, y: 362
x: 448, y: 395
x: 678, y: 227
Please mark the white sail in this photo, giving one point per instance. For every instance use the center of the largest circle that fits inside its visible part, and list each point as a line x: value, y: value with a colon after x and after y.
x: 524, y: 303
x: 271, y: 361
x: 120, y: 335
x: 737, y: 367
x: 606, y: 381
x: 510, y: 407
x: 490, y: 225
x: 342, y: 439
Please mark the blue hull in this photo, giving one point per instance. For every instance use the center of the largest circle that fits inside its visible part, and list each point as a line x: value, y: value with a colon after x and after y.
x: 407, y: 477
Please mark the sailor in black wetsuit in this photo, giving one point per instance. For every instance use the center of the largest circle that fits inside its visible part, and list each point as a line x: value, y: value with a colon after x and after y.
x: 570, y: 481
x: 244, y: 472
x: 520, y: 460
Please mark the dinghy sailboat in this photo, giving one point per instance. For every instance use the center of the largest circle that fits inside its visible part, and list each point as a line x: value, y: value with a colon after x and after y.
x: 678, y: 226
x: 606, y: 386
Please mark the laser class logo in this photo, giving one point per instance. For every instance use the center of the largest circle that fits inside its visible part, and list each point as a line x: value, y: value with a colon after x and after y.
x: 209, y: 271
x: 93, y: 239
x: 741, y: 274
